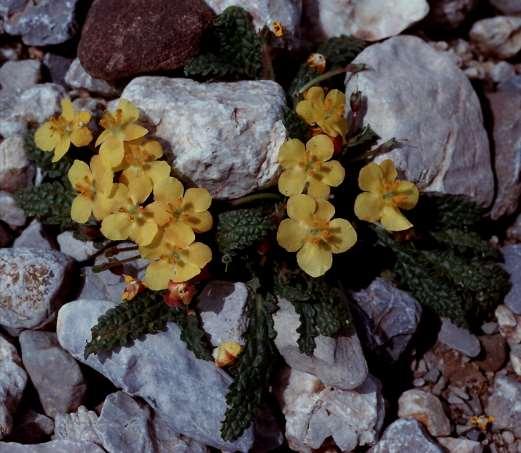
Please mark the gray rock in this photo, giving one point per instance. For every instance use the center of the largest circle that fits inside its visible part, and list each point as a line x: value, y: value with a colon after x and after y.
x: 40, y: 23
x: 12, y: 384
x: 314, y: 413
x: 441, y: 156
x: 499, y: 36
x: 514, y: 232
x: 507, y: 6
x: 32, y: 237
x: 459, y: 338
x: 515, y: 358
x: 222, y: 136
x: 371, y: 20
x: 55, y: 374
x: 512, y: 256
x: 79, y: 426
x: 507, y: 415
x: 17, y: 76
x: 10, y: 213
x: 389, y: 316
x: 449, y: 14
x: 31, y: 286
x: 427, y: 409
x: 338, y: 362
x: 77, y: 77
x: 187, y: 392
x: 55, y: 446
x: 221, y: 306
x: 75, y: 248
x: 16, y: 172
x: 32, y: 428
x: 405, y: 436
x: 57, y: 66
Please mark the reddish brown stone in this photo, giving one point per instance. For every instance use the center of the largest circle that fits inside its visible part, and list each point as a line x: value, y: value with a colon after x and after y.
x: 125, y: 38
x: 494, y: 350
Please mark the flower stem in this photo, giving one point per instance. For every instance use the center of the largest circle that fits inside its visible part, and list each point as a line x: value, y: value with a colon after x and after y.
x: 354, y: 68
x: 255, y: 197
x: 114, y: 263
x: 115, y: 250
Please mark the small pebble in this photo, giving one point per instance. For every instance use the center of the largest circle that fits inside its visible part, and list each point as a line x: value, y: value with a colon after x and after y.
x: 419, y: 382
x: 490, y: 328
x: 440, y: 385
x: 508, y: 437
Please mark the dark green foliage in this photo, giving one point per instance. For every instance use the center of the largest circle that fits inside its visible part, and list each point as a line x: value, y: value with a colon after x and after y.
x: 242, y: 228
x: 43, y: 160
x: 146, y: 314
x: 365, y: 137
x: 322, y: 307
x: 295, y: 126
x: 254, y: 366
x: 232, y: 49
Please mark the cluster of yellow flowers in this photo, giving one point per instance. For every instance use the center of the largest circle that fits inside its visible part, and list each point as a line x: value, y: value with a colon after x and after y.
x: 131, y: 192
x: 308, y: 175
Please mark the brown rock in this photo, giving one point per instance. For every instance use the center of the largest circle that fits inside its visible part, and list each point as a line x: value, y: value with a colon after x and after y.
x: 125, y: 38
x: 493, y: 347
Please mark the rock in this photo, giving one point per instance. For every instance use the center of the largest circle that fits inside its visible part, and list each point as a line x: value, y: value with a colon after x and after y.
x: 31, y: 286
x: 459, y: 338
x: 75, y: 248
x: 512, y: 256
x: 498, y: 36
x: 77, y: 77
x: 5, y: 236
x: 265, y: 12
x: 79, y: 426
x: 16, y: 172
x: 223, y: 136
x: 118, y: 43
x: 449, y: 14
x: 515, y: 358
x: 505, y: 107
x: 514, y: 232
x: 509, y: 324
x: 32, y: 428
x: 405, y: 436
x: 427, y: 409
x: 439, y: 157
x: 32, y: 237
x: 57, y: 67
x: 460, y: 445
x: 500, y: 404
x: 495, y: 353
x: 40, y: 23
x: 159, y: 369
x: 507, y: 6
x: 370, y: 20
x: 314, y: 413
x: 12, y: 384
x: 17, y: 76
x: 338, y: 362
x: 391, y: 316
x: 221, y: 306
x: 10, y: 213
x: 55, y: 446
x: 55, y: 374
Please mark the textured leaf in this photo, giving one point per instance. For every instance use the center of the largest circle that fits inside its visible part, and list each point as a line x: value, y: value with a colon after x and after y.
x: 43, y: 160
x: 295, y: 126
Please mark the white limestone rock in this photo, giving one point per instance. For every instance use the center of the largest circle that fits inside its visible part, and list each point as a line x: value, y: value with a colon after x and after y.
x: 498, y: 36
x: 77, y: 77
x: 75, y: 248
x: 10, y: 213
x: 16, y: 172
x: 17, y: 76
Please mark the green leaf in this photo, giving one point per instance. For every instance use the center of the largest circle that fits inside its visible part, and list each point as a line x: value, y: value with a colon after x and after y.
x: 254, y: 365
x: 232, y: 49
x: 126, y: 322
x: 295, y: 126
x: 43, y: 160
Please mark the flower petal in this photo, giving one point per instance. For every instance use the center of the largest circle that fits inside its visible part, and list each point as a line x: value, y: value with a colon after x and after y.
x: 199, y: 254
x: 408, y: 195
x: 103, y: 205
x: 370, y: 178
x: 325, y: 210
x: 129, y: 112
x: 388, y: 170
x: 157, y: 171
x: 333, y: 173
x: 320, y: 147
x: 291, y: 235
x: 103, y: 136
x: 344, y: 235
x: 306, y: 111
x: 185, y: 271
x: 112, y: 151
x: 67, y: 109
x: 179, y: 234
x: 61, y: 148
x: 143, y: 233
x: 102, y: 174
x: 292, y: 153
x: 116, y: 226
x: 197, y: 199
x: 45, y: 138
x: 200, y: 222
x: 139, y: 189
x: 79, y: 173
x: 81, y: 209
x: 301, y: 207
x: 81, y: 136
x: 317, y: 189
x: 159, y: 212
x: 315, y: 94
x: 393, y: 220
x: 134, y: 131
x: 158, y: 275
x: 168, y: 189
x: 292, y: 182
x: 153, y: 148
x: 335, y: 101
x: 368, y: 206
x: 314, y: 260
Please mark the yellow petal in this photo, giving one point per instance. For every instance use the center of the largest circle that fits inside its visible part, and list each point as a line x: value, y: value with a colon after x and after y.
x: 160, y: 212
x: 103, y: 205
x: 81, y: 136
x: 315, y: 94
x: 134, y: 131
x: 368, y: 206
x: 168, y: 189
x: 335, y: 101
x: 306, y: 111
x: 393, y: 220
x: 143, y: 233
x: 292, y: 153
x: 179, y: 234
x: 317, y: 189
x: 370, y: 178
x: 103, y: 136
x: 116, y: 226
x: 45, y: 138
x: 333, y: 173
x: 301, y: 207
x: 320, y: 147
x: 388, y: 170
x: 112, y: 151
x: 325, y: 210
x: 158, y: 275
x: 197, y: 199
x: 67, y: 109
x: 199, y: 254
x: 314, y: 260
x: 291, y: 235
x: 139, y: 189
x: 81, y: 209
x: 292, y: 182
x: 79, y: 173
x: 61, y: 148
x: 128, y: 110
x: 83, y: 116
x: 344, y: 235
x: 408, y: 195
x: 102, y: 174
x: 201, y: 222
x: 157, y: 171
x: 153, y: 148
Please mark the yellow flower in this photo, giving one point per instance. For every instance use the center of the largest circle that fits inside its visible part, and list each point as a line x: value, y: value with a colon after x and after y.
x: 94, y: 186
x: 172, y: 204
x: 129, y: 219
x: 141, y: 159
x: 277, y: 29
x: 133, y: 287
x: 309, y: 167
x: 312, y: 232
x: 384, y: 196
x: 175, y: 257
x: 226, y: 353
x: 120, y: 127
x: 58, y: 133
x: 327, y: 112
